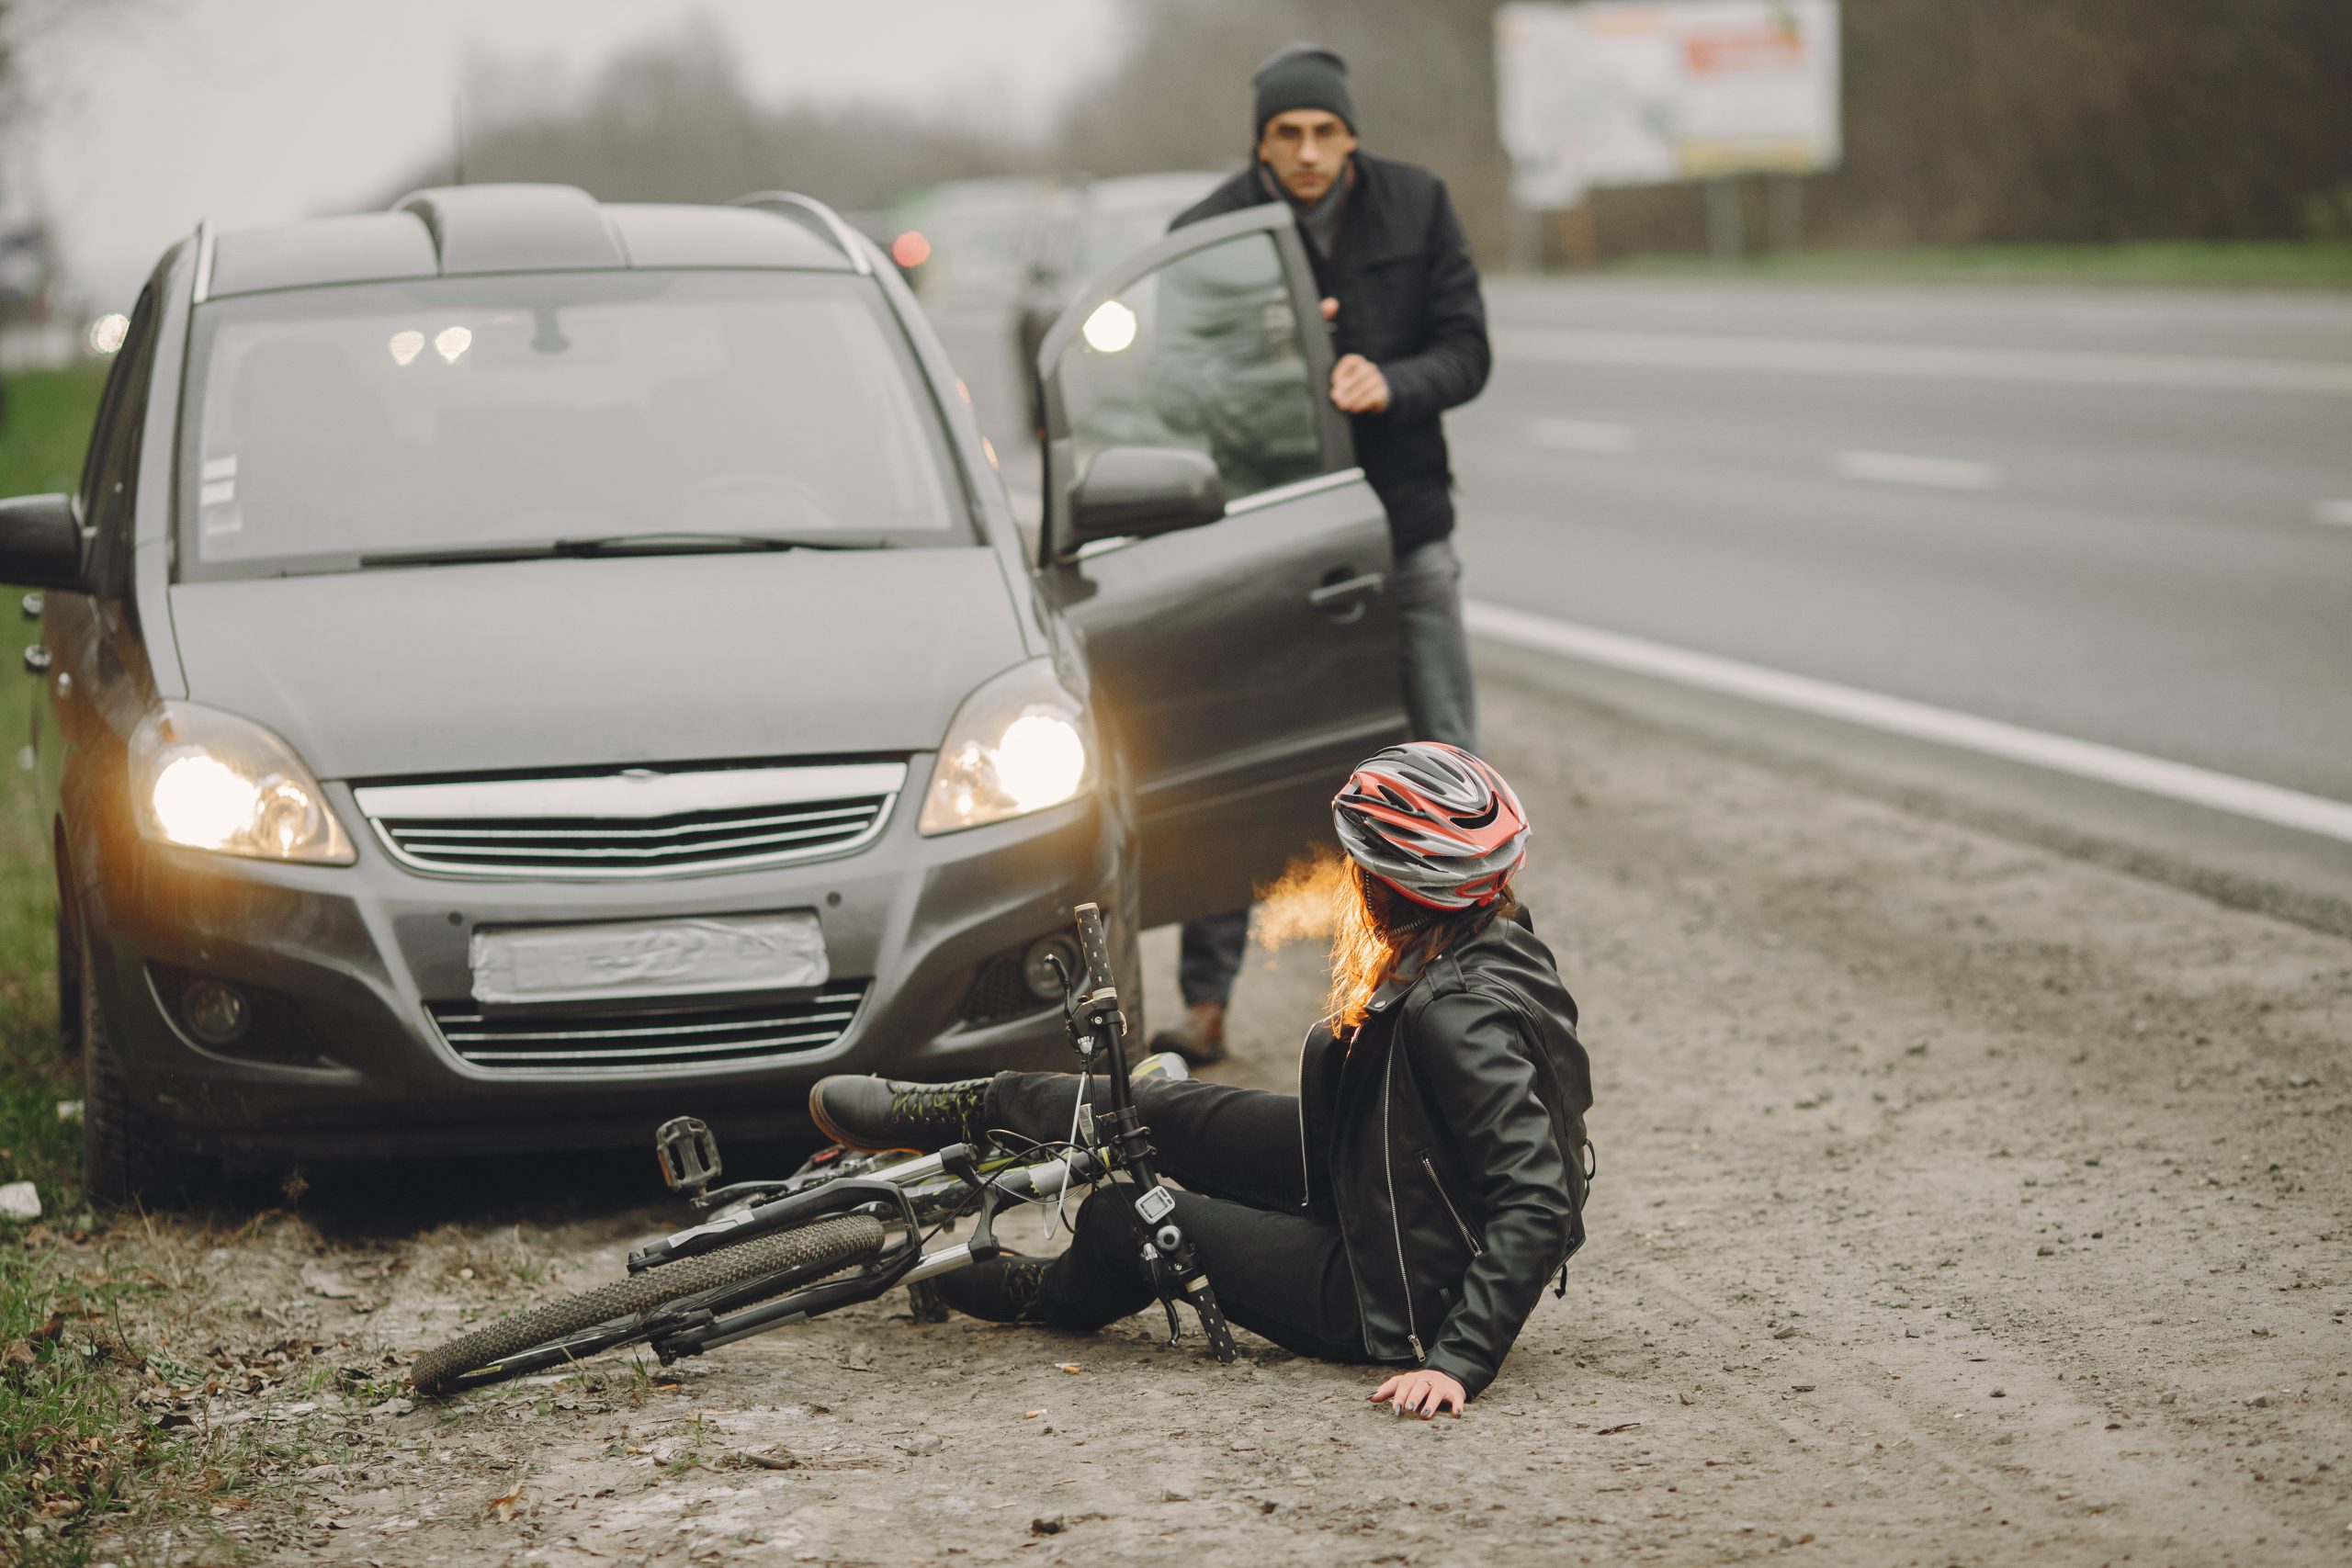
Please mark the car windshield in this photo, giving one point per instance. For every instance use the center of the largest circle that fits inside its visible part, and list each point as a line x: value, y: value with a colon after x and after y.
x: 342, y: 426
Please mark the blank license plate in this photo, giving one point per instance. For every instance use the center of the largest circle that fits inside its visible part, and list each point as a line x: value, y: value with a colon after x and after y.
x: 626, y: 959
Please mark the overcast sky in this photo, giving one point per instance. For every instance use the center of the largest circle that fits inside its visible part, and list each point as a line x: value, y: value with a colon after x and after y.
x: 154, y: 112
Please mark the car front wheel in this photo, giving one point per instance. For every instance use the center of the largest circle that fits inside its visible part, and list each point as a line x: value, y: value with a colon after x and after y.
x: 123, y: 1161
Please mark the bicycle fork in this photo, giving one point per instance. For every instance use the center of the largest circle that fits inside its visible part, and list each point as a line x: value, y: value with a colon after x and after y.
x: 1098, y: 1026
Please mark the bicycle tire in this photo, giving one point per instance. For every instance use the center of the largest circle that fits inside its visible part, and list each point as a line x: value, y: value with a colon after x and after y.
x: 793, y: 1257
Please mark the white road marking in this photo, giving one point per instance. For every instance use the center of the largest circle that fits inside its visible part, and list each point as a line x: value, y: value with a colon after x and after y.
x: 1895, y: 468
x: 1582, y: 435
x: 1941, y: 362
x: 2337, y: 511
x: 1898, y: 716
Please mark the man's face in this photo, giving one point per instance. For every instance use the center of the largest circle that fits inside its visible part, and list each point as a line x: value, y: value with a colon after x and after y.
x: 1306, y: 148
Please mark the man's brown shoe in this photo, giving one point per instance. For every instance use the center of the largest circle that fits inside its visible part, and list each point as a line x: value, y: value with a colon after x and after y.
x: 1200, y: 1039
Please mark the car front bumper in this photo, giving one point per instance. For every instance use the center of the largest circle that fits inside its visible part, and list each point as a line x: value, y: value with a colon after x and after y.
x: 361, y: 950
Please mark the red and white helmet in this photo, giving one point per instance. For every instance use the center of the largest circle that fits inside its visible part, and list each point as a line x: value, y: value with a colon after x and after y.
x: 1433, y: 822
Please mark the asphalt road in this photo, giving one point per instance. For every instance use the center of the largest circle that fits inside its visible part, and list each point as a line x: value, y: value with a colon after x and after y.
x: 2124, y: 517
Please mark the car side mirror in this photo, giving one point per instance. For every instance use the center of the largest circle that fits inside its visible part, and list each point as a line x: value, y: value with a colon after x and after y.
x: 40, y: 543
x: 1136, y: 491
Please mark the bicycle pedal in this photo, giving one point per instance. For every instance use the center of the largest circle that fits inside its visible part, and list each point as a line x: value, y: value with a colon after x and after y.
x: 688, y: 1153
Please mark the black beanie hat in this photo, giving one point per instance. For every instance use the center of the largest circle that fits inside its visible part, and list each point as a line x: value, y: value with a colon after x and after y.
x: 1301, y: 76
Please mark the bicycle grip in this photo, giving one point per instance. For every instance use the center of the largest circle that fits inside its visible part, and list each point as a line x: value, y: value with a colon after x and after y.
x: 1213, y: 1324
x: 1094, y: 948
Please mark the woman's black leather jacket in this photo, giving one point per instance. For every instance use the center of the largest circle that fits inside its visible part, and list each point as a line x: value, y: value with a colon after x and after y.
x: 1446, y: 1138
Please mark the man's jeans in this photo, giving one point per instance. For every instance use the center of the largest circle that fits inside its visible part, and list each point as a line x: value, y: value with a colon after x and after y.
x: 1439, y: 701
x: 1439, y: 705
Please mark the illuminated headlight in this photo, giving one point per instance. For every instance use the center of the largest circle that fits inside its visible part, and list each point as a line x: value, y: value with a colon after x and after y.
x: 1019, y: 744
x: 212, y: 781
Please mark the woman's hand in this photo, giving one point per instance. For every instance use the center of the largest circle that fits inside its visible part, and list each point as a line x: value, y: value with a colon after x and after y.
x: 1422, y: 1392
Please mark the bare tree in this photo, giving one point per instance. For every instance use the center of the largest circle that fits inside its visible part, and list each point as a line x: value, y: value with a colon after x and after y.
x: 671, y: 119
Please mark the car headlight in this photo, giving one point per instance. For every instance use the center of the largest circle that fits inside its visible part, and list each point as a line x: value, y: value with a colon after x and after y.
x: 212, y: 781
x: 1019, y: 744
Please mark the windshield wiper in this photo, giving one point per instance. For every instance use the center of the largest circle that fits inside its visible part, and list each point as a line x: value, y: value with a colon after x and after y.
x: 651, y: 544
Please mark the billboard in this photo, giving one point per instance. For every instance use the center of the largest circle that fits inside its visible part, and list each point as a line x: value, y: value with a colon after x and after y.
x: 1646, y: 92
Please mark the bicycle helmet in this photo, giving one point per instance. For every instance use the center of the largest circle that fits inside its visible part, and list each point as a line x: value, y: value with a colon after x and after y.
x: 1434, y: 823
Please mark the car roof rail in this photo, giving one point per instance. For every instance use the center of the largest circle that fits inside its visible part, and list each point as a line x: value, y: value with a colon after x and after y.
x: 816, y: 216
x: 200, y: 287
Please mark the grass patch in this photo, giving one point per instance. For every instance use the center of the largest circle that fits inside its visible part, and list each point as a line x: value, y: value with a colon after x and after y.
x: 46, y: 425
x: 2254, y: 264
x: 76, y: 1446
x: 69, y: 1444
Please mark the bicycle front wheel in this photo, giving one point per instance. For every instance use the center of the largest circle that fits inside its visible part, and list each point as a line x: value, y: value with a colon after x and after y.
x: 615, y: 1314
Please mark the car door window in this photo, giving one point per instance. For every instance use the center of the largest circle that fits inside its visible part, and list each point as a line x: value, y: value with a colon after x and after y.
x: 1203, y: 351
x: 110, y: 478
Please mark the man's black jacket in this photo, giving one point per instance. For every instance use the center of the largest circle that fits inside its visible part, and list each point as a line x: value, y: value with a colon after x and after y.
x: 1447, y: 1142
x: 1408, y: 302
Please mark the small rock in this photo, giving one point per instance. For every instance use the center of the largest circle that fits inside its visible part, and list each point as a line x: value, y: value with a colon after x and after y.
x: 2045, y: 1251
x: 392, y: 1407
x: 2000, y: 1394
x: 324, y: 1282
x: 1787, y: 1331
x: 1054, y: 1525
x: 923, y: 1443
x: 859, y: 1358
x: 2260, y: 1402
x: 20, y: 1200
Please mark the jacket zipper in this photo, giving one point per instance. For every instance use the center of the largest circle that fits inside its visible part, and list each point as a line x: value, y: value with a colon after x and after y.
x: 1467, y: 1239
x: 1396, y: 1227
x: 1305, y: 1177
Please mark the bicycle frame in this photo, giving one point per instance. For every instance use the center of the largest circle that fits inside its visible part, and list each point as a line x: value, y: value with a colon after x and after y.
x: 997, y: 1183
x: 928, y: 1190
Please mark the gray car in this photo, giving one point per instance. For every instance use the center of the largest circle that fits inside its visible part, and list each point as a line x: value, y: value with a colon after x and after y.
x: 518, y: 669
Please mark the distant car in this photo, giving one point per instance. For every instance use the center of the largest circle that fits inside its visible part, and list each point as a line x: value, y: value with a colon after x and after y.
x: 965, y: 240
x: 1090, y: 227
x: 518, y: 668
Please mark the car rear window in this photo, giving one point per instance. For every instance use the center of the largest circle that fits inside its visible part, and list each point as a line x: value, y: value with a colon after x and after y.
x: 495, y: 412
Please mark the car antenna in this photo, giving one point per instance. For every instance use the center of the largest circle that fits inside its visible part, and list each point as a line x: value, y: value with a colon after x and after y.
x: 458, y: 138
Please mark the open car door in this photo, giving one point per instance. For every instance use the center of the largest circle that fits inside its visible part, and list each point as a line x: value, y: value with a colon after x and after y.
x: 1209, y: 532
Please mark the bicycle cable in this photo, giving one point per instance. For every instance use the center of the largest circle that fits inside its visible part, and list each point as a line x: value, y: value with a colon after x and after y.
x: 1077, y: 1113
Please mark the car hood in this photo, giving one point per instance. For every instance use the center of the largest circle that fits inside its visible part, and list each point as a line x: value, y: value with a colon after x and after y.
x: 637, y: 661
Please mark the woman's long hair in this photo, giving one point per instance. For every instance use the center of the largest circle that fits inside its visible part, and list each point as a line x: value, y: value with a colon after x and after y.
x: 1376, y: 932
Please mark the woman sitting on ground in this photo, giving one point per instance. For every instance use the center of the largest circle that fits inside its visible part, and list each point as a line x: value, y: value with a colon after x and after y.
x: 1408, y: 1205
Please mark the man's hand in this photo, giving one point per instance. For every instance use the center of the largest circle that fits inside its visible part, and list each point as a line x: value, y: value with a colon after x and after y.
x: 1358, y: 386
x: 1421, y: 1392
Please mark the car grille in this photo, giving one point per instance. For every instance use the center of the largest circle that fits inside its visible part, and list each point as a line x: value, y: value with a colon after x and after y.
x: 670, y: 1037
x: 634, y: 824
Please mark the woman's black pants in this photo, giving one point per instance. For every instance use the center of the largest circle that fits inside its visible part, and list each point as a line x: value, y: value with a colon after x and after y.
x: 1278, y: 1271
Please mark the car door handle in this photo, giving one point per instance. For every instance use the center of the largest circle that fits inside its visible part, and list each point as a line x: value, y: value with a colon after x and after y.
x: 1346, y: 592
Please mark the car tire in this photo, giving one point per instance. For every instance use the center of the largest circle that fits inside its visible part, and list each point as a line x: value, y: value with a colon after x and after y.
x: 124, y: 1159
x: 69, y: 980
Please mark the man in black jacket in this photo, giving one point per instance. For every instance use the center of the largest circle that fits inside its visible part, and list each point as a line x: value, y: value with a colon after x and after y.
x: 1409, y: 329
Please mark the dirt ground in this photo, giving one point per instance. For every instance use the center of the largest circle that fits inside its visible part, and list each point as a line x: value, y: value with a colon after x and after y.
x: 1959, y: 1202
